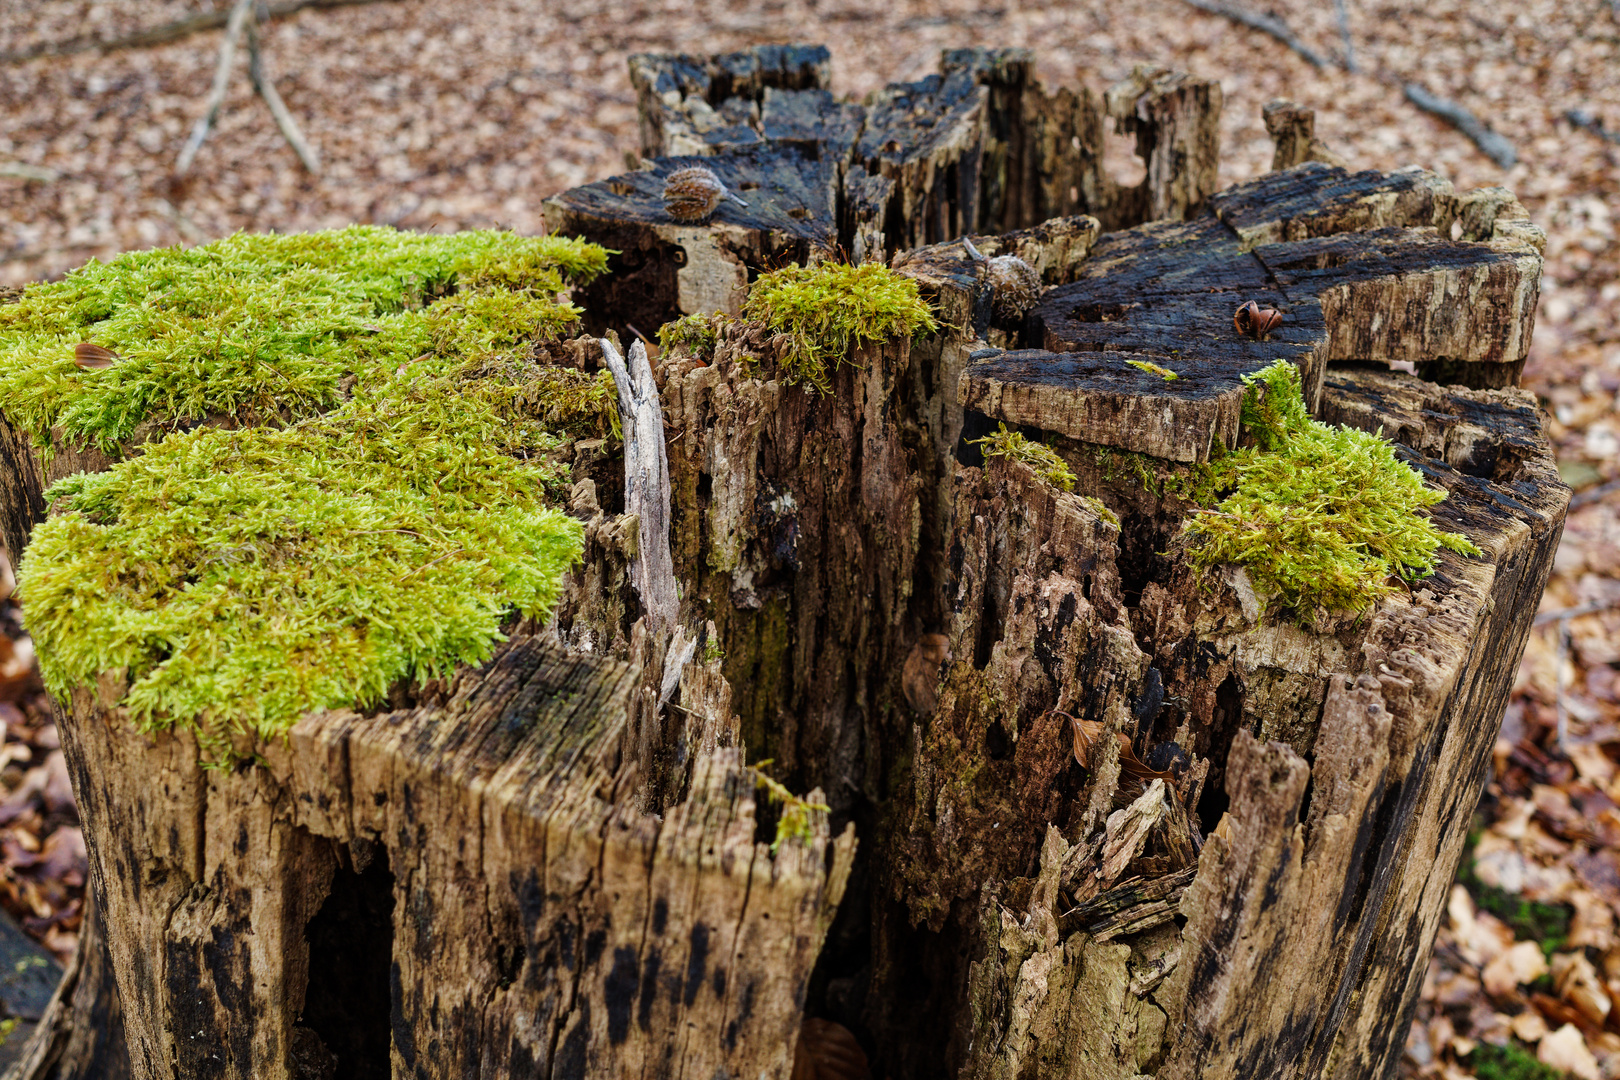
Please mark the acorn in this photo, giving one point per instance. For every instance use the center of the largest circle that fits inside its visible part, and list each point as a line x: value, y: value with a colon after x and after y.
x: 1014, y: 284
x: 1267, y: 320
x: 695, y: 193
x: 93, y: 357
x: 1243, y: 318
x: 1251, y: 320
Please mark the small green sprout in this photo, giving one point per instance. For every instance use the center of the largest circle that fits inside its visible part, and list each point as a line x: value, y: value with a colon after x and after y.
x: 1153, y: 369
x: 824, y: 310
x: 1321, y: 517
x: 1042, y: 459
x: 794, y: 824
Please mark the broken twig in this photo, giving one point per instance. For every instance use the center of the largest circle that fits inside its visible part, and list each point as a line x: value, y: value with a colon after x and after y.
x: 222, y: 78
x: 1349, y: 47
x: 267, y: 90
x: 170, y: 31
x: 1494, y: 146
x: 646, y: 482
x: 1581, y: 118
x: 23, y: 171
x: 1266, y: 24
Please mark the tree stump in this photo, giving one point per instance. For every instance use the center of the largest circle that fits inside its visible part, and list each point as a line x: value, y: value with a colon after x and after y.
x: 556, y: 865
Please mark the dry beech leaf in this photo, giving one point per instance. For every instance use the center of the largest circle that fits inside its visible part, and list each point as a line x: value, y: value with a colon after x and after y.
x: 1566, y: 1050
x: 1086, y: 733
x: 1521, y: 964
x: 93, y: 357
x: 920, y: 677
x: 828, y: 1051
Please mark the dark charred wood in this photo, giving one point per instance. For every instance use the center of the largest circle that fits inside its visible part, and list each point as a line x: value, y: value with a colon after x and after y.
x: 695, y: 105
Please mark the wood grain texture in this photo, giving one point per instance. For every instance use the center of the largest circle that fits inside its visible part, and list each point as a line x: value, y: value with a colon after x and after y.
x: 557, y: 864
x: 560, y: 931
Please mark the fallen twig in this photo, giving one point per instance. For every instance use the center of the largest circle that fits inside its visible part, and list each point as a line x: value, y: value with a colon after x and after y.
x: 1563, y: 615
x: 171, y: 31
x: 1494, y: 146
x: 278, y: 109
x: 1584, y: 119
x: 23, y: 171
x: 222, y: 77
x: 1266, y: 24
x: 1344, y: 35
x: 1594, y: 494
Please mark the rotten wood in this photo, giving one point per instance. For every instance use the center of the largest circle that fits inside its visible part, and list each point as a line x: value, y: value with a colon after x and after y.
x: 980, y: 148
x: 535, y: 846
x: 1293, y: 132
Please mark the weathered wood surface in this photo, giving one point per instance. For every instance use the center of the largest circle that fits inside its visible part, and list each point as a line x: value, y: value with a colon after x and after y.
x: 462, y: 886
x: 982, y: 147
x: 471, y: 882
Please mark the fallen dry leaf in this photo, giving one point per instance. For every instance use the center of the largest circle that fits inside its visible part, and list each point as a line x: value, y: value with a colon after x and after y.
x: 1521, y: 964
x: 1566, y: 1049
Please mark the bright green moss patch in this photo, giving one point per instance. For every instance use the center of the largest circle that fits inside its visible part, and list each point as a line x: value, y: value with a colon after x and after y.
x: 1042, y: 459
x: 697, y: 334
x: 1511, y: 1061
x: 1321, y: 517
x: 385, y: 529
x: 823, y: 310
x: 269, y: 325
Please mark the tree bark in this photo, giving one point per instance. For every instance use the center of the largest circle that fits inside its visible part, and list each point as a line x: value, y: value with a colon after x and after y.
x: 1134, y: 814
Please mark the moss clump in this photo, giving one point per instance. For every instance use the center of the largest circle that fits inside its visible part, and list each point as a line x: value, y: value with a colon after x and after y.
x: 242, y: 577
x: 1041, y: 458
x: 822, y: 310
x: 270, y: 326
x: 1511, y: 1061
x: 793, y: 813
x: 697, y: 334
x: 1321, y: 517
x: 1530, y: 920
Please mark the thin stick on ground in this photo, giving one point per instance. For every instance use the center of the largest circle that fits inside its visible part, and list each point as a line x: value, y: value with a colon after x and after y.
x: 1266, y: 24
x: 278, y: 109
x: 1343, y: 10
x: 165, y: 32
x: 222, y: 79
x: 1494, y: 146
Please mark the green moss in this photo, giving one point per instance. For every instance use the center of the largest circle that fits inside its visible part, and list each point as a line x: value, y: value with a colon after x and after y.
x: 793, y: 820
x: 1530, y: 920
x: 1321, y: 517
x: 242, y: 577
x: 697, y: 334
x: 1128, y: 468
x: 1512, y: 1061
x: 823, y: 310
x: 268, y: 325
x: 1153, y: 369
x: 1042, y: 459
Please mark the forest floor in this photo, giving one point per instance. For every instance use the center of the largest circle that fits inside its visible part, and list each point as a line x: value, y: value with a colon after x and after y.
x: 442, y: 116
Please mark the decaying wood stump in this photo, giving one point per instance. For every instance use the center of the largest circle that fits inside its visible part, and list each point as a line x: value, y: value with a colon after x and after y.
x: 556, y: 865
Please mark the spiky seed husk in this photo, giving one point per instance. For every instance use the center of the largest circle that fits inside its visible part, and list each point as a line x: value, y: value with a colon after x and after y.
x: 1016, y: 286
x: 692, y: 194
